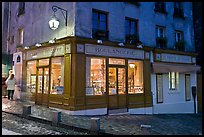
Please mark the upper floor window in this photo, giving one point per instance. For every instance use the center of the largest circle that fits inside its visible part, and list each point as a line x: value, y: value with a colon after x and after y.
x: 179, y: 36
x: 179, y: 40
x: 178, y: 10
x: 160, y: 7
x: 11, y: 39
x: 131, y: 31
x: 21, y: 31
x: 99, y: 25
x: 135, y: 3
x: 161, y: 40
x: 21, y: 8
x: 160, y: 31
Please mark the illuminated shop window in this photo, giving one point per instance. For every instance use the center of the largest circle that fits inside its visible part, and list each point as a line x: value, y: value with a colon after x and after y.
x: 173, y: 80
x: 116, y: 61
x: 57, y: 75
x: 95, y: 76
x: 43, y: 62
x: 135, y: 77
x: 31, y: 76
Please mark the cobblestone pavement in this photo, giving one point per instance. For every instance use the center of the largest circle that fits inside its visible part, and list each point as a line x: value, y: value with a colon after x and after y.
x: 126, y: 124
x: 28, y: 127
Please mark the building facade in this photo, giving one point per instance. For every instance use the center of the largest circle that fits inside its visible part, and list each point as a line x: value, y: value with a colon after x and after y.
x: 140, y: 57
x: 6, y: 57
x: 197, y: 19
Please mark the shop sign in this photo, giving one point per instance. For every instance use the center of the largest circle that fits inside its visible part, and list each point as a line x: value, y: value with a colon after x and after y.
x: 175, y: 58
x: 113, y: 51
x: 68, y: 48
x: 45, y: 52
x: 18, y: 59
x: 80, y: 48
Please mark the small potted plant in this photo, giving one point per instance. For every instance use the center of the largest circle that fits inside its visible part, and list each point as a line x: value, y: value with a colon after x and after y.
x: 133, y: 39
x: 161, y: 42
x: 180, y: 45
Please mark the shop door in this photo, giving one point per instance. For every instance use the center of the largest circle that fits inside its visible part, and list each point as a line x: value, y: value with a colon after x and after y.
x: 42, y: 86
x: 117, y: 88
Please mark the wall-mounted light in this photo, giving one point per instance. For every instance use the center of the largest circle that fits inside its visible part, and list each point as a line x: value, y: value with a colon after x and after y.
x: 52, y: 41
x: 26, y: 47
x: 99, y: 41
x: 54, y: 22
x: 38, y: 45
x: 121, y: 44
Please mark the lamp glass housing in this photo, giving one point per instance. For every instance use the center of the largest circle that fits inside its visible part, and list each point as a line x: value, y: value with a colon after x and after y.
x: 54, y: 23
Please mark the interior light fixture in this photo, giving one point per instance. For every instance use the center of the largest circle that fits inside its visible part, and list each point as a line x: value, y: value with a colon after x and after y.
x: 132, y: 65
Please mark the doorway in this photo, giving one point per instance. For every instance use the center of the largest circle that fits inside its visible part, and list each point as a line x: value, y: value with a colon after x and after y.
x: 117, y: 87
x: 42, y: 86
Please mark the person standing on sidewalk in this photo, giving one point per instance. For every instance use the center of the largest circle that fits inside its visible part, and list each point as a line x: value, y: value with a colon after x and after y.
x: 10, y: 83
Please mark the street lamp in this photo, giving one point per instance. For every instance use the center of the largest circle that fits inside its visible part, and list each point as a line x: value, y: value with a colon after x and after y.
x: 54, y: 22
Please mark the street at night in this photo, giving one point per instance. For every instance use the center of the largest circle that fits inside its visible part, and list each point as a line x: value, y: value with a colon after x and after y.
x: 28, y: 127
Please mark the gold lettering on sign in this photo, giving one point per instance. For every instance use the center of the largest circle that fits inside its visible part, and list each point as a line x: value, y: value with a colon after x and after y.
x: 113, y: 51
x: 45, y: 52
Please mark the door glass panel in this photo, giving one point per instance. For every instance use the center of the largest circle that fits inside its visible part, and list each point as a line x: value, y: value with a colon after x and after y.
x: 40, y: 80
x: 46, y: 80
x: 112, y: 81
x: 121, y: 80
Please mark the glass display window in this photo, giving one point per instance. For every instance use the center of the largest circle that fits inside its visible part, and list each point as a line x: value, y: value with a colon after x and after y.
x: 135, y: 77
x: 31, y: 76
x: 95, y: 76
x: 57, y: 75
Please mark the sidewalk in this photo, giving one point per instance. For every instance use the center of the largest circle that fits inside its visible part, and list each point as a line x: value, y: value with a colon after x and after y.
x: 125, y: 124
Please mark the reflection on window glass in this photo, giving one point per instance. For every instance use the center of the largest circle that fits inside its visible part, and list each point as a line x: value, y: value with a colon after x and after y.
x: 112, y: 81
x: 46, y: 81
x: 173, y: 80
x: 121, y: 80
x: 95, y: 76
x: 43, y: 62
x: 31, y: 76
x: 57, y: 75
x: 135, y: 77
x: 116, y: 61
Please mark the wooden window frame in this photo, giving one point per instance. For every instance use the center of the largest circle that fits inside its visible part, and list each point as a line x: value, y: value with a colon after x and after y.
x: 21, y: 8
x: 98, y: 30
x: 159, y: 9
x: 159, y: 74
x: 176, y: 82
x: 185, y: 88
x: 128, y: 36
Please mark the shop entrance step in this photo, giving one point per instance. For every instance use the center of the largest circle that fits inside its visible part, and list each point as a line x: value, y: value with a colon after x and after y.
x: 118, y: 111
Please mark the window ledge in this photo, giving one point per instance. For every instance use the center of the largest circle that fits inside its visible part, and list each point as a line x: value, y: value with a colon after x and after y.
x: 179, y: 16
x: 160, y: 11
x: 173, y: 92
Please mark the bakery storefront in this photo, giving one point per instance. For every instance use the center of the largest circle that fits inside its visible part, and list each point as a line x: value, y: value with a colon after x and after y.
x: 89, y: 79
